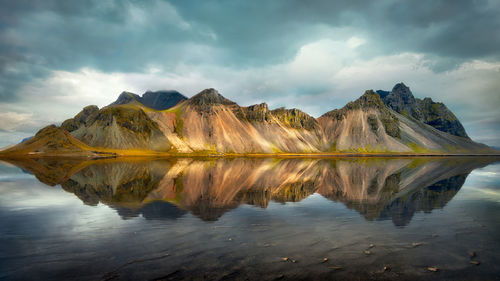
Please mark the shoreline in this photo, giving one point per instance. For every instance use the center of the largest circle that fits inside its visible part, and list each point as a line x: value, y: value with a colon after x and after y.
x: 105, y: 155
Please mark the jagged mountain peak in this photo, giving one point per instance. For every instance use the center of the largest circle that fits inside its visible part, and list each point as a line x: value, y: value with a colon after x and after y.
x: 86, y: 117
x: 90, y: 108
x: 261, y: 106
x: 435, y: 114
x: 401, y: 87
x: 126, y: 97
x: 401, y: 98
x: 254, y: 113
x: 209, y: 97
x: 369, y: 99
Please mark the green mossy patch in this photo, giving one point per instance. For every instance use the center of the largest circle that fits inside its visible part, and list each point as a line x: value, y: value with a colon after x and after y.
x: 372, y: 121
x: 295, y: 118
x: 417, y: 148
x: 368, y: 149
x: 179, y: 122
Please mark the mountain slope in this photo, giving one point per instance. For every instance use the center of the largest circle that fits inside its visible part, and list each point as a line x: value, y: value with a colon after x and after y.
x: 435, y: 114
x: 50, y: 140
x: 367, y: 125
x: 122, y: 127
x: 210, y: 122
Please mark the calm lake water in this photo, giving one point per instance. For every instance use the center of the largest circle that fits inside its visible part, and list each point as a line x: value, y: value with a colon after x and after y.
x: 250, y: 219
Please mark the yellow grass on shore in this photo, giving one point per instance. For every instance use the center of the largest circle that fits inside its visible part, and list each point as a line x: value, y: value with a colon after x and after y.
x: 113, y: 153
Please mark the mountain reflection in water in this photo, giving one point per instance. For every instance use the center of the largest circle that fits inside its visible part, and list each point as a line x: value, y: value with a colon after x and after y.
x: 377, y: 188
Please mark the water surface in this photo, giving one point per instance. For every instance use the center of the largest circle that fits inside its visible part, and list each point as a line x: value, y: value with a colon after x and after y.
x: 226, y: 219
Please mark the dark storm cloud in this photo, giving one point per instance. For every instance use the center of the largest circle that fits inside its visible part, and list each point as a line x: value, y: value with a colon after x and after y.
x: 39, y: 36
x: 464, y: 29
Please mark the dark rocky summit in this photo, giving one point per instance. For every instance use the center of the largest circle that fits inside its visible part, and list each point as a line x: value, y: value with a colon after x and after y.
x: 86, y: 117
x: 440, y: 117
x: 435, y: 114
x: 159, y: 100
x: 209, y: 97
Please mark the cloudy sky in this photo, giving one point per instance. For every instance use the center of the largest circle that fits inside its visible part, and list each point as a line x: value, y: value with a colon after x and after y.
x: 59, y: 56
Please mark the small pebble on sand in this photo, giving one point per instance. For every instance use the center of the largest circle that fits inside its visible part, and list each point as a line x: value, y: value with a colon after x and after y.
x: 432, y: 268
x: 335, y: 267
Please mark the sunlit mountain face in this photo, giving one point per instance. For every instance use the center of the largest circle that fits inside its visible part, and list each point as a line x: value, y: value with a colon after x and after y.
x: 377, y: 189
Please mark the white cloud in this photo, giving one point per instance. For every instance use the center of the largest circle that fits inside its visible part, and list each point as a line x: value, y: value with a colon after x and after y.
x: 160, y: 12
x: 355, y: 42
x: 14, y: 120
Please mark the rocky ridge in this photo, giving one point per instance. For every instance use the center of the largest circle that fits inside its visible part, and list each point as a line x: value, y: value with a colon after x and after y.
x: 435, y: 114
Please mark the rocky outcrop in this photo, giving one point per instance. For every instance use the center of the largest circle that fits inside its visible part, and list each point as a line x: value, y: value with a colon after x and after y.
x: 435, y: 114
x: 86, y: 117
x: 295, y: 118
x: 255, y: 113
x: 122, y: 127
x: 402, y: 101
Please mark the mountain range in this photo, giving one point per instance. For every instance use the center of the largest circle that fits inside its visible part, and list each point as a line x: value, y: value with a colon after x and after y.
x: 166, y: 122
